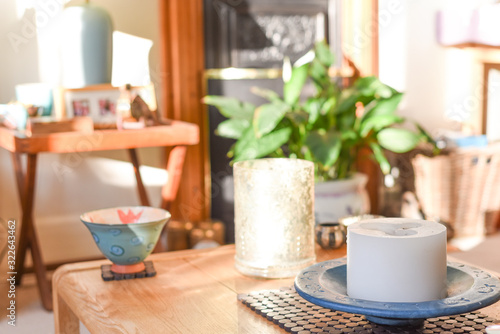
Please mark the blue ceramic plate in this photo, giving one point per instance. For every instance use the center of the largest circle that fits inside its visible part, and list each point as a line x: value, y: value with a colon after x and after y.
x: 469, y: 289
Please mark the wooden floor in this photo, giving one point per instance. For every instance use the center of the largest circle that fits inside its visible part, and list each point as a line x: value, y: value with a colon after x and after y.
x: 485, y: 254
x: 31, y: 317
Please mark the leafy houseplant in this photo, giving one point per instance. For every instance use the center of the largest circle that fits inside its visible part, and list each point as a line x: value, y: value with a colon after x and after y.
x: 329, y: 127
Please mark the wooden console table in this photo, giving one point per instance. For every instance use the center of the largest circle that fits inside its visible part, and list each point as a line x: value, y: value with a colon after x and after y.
x: 176, y: 135
x: 194, y: 291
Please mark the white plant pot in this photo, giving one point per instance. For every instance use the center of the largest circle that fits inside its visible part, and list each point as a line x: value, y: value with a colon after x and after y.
x: 340, y: 198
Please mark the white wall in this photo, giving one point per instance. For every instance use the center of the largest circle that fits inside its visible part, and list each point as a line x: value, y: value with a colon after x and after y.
x: 441, y: 84
x: 32, y: 29
x: 87, y: 182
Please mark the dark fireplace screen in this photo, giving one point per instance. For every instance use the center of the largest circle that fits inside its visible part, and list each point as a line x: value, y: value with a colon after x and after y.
x: 255, y: 34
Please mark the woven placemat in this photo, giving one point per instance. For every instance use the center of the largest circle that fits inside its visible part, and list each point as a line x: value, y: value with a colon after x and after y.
x: 287, y: 309
x: 108, y: 275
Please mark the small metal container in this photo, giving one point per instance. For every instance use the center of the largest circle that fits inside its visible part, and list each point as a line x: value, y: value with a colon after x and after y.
x: 330, y: 235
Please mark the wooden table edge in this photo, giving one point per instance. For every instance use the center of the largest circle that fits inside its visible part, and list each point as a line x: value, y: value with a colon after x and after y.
x: 174, y: 134
x: 165, y: 256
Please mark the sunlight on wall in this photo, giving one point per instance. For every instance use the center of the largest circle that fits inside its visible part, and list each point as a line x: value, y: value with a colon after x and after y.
x: 118, y: 174
x: 43, y: 17
x: 463, y: 91
x: 78, y: 183
x: 442, y: 85
x: 392, y: 27
x: 22, y: 6
x: 493, y: 105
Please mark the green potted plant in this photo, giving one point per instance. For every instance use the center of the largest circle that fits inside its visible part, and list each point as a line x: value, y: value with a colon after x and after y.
x: 329, y: 127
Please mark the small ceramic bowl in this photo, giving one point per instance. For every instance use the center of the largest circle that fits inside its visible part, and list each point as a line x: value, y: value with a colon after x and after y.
x: 126, y: 235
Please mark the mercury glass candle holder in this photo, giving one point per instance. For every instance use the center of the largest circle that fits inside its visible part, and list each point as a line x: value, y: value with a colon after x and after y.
x: 274, y: 216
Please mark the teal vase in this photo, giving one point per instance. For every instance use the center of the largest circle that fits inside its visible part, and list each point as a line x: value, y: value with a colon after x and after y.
x: 87, y: 43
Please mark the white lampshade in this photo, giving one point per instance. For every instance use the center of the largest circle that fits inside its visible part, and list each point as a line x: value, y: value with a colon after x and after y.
x: 130, y: 60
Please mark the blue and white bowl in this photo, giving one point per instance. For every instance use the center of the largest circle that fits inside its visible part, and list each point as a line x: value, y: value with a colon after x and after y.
x: 126, y: 235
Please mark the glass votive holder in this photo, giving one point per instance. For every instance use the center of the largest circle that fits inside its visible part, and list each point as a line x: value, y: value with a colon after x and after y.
x: 274, y: 216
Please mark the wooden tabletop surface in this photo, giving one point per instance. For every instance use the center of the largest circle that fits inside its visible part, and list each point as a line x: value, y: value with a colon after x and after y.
x: 175, y: 133
x: 194, y: 291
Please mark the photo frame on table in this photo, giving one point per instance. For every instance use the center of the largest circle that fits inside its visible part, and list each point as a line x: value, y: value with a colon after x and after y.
x: 99, y: 101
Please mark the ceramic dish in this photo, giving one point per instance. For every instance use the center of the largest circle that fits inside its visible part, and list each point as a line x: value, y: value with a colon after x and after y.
x: 468, y: 288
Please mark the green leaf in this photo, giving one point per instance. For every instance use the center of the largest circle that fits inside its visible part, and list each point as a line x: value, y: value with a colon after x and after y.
x: 367, y: 85
x: 267, y: 116
x: 372, y: 86
x: 230, y: 107
x: 379, y: 156
x: 232, y: 128
x: 246, y: 142
x: 428, y: 138
x: 230, y: 152
x: 397, y: 140
x: 325, y: 147
x: 383, y: 106
x: 347, y: 100
x: 265, y: 93
x: 323, y: 54
x: 297, y: 117
x: 328, y: 105
x: 346, y: 121
x: 250, y: 147
x: 384, y: 91
x: 319, y: 74
x: 312, y: 107
x: 293, y: 87
x: 349, y: 135
x: 377, y: 123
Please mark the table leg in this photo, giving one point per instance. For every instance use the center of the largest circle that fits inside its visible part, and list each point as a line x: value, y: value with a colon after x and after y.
x: 174, y: 169
x: 66, y: 322
x: 169, y: 190
x: 22, y: 238
x: 28, y: 238
x: 143, y: 196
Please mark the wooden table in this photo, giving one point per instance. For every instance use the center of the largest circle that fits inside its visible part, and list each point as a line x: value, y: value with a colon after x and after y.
x: 176, y: 135
x: 195, y: 291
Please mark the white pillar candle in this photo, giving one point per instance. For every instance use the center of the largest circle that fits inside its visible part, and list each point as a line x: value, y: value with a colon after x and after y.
x: 396, y: 260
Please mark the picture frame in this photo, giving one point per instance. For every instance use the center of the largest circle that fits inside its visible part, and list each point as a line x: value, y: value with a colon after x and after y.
x: 99, y: 102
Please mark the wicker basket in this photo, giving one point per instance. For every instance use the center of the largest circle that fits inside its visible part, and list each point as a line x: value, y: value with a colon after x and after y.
x: 460, y: 187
